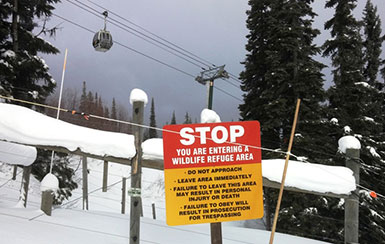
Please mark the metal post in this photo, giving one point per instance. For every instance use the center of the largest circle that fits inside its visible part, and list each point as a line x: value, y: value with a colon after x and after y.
x: 352, y: 201
x: 207, y: 78
x: 85, y: 183
x: 105, y: 176
x: 215, y: 228
x: 124, y: 192
x: 136, y: 174
x: 210, y: 94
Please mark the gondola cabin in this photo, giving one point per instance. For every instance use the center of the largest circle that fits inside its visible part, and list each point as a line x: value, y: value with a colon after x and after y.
x: 102, y: 41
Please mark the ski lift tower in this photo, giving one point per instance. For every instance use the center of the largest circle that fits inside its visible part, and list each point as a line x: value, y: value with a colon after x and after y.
x: 207, y: 77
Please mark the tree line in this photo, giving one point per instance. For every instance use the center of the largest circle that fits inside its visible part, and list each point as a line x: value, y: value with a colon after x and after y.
x: 89, y: 102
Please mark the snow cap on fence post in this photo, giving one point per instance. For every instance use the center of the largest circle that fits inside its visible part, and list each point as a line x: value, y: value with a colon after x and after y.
x: 138, y: 95
x: 348, y: 142
x: 209, y: 116
x: 49, y: 182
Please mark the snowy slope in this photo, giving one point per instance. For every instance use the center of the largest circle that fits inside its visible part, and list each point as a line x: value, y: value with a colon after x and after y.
x: 103, y: 223
x: 83, y: 227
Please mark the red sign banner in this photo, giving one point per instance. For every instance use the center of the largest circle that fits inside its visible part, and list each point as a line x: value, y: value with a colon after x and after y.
x: 216, y: 144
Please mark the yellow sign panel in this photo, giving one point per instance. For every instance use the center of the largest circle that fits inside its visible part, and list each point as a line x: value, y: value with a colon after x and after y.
x: 213, y: 194
x: 212, y: 172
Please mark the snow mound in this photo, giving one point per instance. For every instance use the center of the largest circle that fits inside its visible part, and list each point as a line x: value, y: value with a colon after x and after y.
x: 49, y: 182
x: 348, y: 142
x: 209, y: 116
x: 311, y: 177
x: 16, y: 154
x: 138, y: 95
x: 153, y: 149
x: 25, y: 126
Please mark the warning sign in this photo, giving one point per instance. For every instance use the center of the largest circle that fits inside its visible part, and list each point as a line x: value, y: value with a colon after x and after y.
x: 212, y: 172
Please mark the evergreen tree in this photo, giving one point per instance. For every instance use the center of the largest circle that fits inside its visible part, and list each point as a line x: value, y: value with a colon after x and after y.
x: 173, y: 119
x: 106, y: 124
x: 383, y: 65
x: 83, y: 98
x: 90, y: 104
x: 358, y: 106
x: 383, y: 69
x: 279, y: 68
x: 99, y: 107
x: 24, y: 75
x: 113, y: 110
x: 60, y: 169
x: 152, y: 132
x: 113, y: 115
x: 187, y: 119
x: 372, y: 44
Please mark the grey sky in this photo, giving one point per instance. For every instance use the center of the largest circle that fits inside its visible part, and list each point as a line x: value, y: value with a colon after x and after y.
x: 214, y: 30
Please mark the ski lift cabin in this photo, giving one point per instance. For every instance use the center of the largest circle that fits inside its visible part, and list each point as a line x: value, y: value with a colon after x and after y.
x: 102, y: 41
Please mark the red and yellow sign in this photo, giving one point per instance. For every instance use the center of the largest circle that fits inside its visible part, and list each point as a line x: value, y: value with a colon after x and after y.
x: 212, y: 172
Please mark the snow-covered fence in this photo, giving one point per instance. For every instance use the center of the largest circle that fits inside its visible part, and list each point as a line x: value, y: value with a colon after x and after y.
x: 50, y: 134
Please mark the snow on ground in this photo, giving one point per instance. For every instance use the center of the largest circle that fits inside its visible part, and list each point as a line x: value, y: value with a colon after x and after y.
x: 103, y: 223
x: 89, y: 227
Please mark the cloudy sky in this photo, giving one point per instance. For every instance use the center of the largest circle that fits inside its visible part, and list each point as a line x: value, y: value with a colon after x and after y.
x: 214, y: 30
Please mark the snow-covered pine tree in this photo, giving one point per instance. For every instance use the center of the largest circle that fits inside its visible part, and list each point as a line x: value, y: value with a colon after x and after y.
x: 257, y: 78
x: 60, y: 169
x: 24, y: 75
x: 372, y: 44
x: 279, y: 68
x: 152, y: 132
x: 356, y: 102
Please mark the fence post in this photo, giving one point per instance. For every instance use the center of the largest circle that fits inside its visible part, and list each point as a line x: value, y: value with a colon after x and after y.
x: 124, y: 192
x: 46, y: 202
x: 14, y: 172
x: 352, y: 201
x: 136, y: 174
x: 85, y: 183
x: 25, y: 184
x: 105, y: 176
x: 153, y: 211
